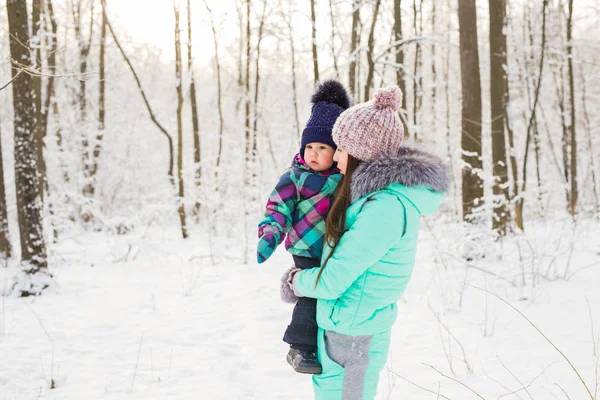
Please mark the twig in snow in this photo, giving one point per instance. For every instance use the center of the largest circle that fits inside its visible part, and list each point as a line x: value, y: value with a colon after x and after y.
x: 592, y: 326
x: 514, y: 376
x: 455, y: 339
x: 528, y: 385
x: 562, y: 390
x: 40, y: 321
x: 455, y: 380
x: 541, y: 333
x: 596, y: 375
x: 510, y: 391
x: 138, y: 360
x: 419, y: 386
x: 582, y: 268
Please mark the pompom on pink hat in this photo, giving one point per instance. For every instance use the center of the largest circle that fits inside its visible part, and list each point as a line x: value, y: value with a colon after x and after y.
x: 371, y: 129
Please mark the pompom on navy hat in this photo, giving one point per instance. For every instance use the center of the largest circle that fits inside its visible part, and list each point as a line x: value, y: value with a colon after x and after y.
x: 329, y: 100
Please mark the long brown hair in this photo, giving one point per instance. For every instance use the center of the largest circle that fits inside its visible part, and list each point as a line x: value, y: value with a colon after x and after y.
x: 336, y: 218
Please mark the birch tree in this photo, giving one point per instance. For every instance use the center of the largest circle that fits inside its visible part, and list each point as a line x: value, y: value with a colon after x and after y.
x: 354, y: 47
x: 313, y: 21
x: 33, y: 246
x: 498, y: 96
x: 179, y: 89
x: 400, y: 75
x: 95, y: 159
x: 370, y: 55
x: 5, y: 248
x: 194, y: 106
x: 572, y: 130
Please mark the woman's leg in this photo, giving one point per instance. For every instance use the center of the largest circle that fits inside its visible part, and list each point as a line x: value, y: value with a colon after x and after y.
x: 329, y: 384
x: 351, y: 365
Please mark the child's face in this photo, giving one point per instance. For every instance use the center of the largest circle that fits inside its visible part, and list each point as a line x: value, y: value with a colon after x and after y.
x: 318, y: 156
x: 341, y: 158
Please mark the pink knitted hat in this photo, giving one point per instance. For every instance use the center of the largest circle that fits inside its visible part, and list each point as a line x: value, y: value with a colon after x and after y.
x: 370, y: 129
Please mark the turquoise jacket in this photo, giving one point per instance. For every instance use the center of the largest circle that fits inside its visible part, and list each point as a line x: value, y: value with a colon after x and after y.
x: 373, y: 262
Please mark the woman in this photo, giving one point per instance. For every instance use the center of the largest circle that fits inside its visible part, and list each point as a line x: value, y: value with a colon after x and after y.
x: 371, y: 241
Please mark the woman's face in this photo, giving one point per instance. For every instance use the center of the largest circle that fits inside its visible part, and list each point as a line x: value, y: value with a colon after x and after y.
x: 341, y: 158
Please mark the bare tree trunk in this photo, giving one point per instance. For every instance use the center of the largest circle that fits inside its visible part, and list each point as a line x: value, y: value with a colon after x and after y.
x: 433, y: 71
x: 498, y: 94
x: 193, y: 103
x: 447, y: 101
x: 472, y: 184
x: 50, y: 89
x: 589, y: 138
x: 333, y: 54
x: 417, y: 77
x: 400, y: 76
x: 146, y: 102
x: 179, y: 88
x: 313, y: 20
x: 5, y: 247
x: 50, y: 99
x: 536, y: 133
x: 519, y: 204
x: 84, y: 51
x: 219, y: 87
x: 33, y: 247
x: 288, y: 21
x: 102, y: 90
x: 572, y: 131
x: 249, y: 155
x: 40, y: 129
x: 354, y: 48
x: 560, y: 98
x: 370, y: 56
x: 358, y: 63
x: 240, y: 79
x: 101, y: 109
x: 257, y: 78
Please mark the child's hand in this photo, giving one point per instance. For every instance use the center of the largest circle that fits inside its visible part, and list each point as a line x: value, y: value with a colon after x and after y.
x: 267, y: 243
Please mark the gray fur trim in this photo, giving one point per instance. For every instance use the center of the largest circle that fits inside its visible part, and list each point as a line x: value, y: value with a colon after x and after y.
x: 411, y: 165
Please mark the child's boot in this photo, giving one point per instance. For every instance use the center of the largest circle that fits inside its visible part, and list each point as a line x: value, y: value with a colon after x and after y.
x: 304, y: 361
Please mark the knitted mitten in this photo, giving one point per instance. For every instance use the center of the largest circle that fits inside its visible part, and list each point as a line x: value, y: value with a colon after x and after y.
x: 286, y: 291
x: 269, y: 238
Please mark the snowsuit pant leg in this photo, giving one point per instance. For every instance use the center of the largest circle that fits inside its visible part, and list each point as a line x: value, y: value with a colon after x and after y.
x: 351, y: 365
x: 301, y: 333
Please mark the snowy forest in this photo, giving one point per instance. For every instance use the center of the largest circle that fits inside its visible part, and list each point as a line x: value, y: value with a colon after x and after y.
x: 139, y: 141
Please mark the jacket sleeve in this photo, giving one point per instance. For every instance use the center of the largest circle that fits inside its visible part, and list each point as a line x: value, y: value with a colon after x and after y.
x: 280, y: 206
x: 378, y: 227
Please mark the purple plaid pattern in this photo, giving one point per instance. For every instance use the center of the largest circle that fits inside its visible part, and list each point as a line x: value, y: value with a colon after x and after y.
x: 298, y: 206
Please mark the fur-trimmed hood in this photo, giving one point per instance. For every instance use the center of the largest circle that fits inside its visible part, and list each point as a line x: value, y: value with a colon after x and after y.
x: 417, y: 172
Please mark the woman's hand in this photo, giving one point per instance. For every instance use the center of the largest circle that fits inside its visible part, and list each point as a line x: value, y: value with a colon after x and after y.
x: 287, y: 288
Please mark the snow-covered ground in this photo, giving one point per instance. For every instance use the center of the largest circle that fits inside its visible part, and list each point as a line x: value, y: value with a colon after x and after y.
x: 158, y: 321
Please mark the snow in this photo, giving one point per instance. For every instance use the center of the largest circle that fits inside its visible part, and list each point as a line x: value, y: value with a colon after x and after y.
x: 162, y: 323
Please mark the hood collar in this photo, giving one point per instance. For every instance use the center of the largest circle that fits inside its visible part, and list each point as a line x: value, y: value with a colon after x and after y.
x: 410, y: 166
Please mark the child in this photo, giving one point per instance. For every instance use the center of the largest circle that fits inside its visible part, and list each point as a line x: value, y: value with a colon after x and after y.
x: 298, y: 207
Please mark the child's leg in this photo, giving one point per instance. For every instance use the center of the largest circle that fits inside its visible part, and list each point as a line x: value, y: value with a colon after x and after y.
x: 302, y: 332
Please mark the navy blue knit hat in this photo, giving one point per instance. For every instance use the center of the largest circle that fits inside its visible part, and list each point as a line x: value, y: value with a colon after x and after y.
x: 329, y: 101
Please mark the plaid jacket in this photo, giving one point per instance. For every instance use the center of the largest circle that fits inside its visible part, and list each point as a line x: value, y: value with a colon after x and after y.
x: 298, y: 206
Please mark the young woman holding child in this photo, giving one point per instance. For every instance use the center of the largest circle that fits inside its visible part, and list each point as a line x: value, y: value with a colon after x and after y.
x: 369, y: 245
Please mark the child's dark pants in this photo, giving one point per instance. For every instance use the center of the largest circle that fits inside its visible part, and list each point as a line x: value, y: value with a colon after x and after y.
x: 301, y: 333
